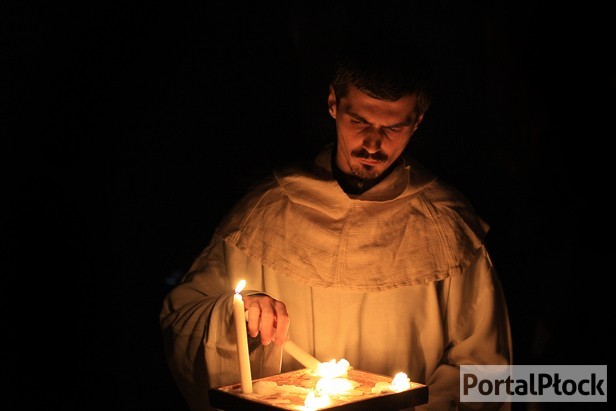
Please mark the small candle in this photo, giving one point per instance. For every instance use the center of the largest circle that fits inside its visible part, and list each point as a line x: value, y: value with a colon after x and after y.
x: 242, y: 338
x: 302, y: 356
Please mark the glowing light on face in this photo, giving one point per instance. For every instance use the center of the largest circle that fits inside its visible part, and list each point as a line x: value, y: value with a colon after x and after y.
x: 371, y: 133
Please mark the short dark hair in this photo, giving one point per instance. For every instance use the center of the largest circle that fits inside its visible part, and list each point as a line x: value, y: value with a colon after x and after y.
x: 383, y: 64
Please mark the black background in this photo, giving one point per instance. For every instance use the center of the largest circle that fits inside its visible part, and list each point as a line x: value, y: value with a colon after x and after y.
x: 129, y: 130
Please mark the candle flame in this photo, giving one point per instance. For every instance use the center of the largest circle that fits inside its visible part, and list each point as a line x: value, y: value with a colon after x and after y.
x: 240, y: 286
x: 334, y: 382
x: 400, y: 382
x: 335, y: 386
x: 333, y: 369
x: 314, y: 402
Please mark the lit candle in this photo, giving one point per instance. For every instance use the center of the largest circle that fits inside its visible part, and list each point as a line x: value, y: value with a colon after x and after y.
x: 242, y: 339
x: 302, y: 356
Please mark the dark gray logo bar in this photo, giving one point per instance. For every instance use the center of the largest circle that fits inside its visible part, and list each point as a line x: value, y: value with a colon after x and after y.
x: 533, y: 383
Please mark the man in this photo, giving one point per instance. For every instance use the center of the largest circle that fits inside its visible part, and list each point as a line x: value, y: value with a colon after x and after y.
x: 364, y: 255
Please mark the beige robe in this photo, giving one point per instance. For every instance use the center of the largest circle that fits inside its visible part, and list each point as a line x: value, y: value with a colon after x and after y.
x: 395, y: 279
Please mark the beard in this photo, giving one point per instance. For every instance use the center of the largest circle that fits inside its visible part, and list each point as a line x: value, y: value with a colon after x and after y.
x: 366, y: 172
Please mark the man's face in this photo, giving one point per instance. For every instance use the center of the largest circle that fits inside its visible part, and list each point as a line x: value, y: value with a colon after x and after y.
x: 372, y: 133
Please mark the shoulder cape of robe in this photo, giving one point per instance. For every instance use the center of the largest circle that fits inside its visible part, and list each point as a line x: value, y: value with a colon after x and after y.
x: 409, y: 229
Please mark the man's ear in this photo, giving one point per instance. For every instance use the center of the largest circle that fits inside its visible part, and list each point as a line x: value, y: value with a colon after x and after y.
x: 418, y: 121
x: 331, y: 102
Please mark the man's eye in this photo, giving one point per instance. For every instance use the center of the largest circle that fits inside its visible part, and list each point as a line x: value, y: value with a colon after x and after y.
x: 355, y: 122
x: 394, y: 129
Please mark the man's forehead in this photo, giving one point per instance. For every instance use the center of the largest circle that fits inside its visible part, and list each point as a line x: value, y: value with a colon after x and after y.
x: 373, y: 110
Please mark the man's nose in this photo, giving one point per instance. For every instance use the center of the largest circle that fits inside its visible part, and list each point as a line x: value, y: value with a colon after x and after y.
x: 372, y: 140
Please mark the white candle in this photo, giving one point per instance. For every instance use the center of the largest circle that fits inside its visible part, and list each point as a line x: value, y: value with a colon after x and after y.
x: 302, y: 356
x: 242, y: 338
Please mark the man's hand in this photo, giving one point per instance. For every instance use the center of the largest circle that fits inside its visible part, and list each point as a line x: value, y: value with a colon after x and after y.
x: 268, y: 317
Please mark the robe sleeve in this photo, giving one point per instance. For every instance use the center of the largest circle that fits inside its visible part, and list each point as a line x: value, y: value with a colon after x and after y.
x: 197, y: 325
x: 478, y: 332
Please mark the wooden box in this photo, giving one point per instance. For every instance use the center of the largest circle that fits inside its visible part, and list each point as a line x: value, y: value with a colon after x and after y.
x: 293, y: 394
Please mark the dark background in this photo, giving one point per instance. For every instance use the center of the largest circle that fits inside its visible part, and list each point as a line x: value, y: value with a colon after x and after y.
x: 129, y: 130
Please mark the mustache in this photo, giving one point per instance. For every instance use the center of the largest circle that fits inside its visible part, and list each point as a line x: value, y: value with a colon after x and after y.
x: 364, y: 154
